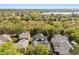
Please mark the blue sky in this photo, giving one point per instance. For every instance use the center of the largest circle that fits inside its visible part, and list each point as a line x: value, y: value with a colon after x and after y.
x: 39, y: 6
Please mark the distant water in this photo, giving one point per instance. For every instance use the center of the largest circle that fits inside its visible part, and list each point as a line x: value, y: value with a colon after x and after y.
x: 48, y: 13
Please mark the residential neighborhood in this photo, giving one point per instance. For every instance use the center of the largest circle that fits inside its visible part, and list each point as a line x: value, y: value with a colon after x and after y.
x: 59, y: 43
x: 39, y: 31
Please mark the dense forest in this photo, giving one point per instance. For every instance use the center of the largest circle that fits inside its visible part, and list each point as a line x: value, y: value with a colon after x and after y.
x: 16, y: 21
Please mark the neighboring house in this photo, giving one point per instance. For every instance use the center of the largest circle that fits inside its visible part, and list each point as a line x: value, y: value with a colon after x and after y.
x: 19, y: 14
x: 24, y: 35
x: 40, y: 39
x: 12, y: 14
x: 23, y: 40
x: 21, y: 44
x: 61, y: 45
x: 0, y: 14
x: 5, y: 37
x: 5, y: 14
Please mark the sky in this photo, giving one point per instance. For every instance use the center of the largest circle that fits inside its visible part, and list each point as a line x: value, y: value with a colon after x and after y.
x: 39, y: 6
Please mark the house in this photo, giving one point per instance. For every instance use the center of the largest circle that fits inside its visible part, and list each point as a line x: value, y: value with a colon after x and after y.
x: 24, y: 35
x: 0, y: 14
x: 21, y: 44
x: 19, y: 14
x: 61, y: 45
x: 12, y: 14
x: 23, y: 40
x: 40, y: 39
x: 5, y: 37
x: 5, y: 14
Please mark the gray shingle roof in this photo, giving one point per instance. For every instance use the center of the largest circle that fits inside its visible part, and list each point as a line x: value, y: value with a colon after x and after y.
x: 61, y: 44
x: 22, y: 44
x: 38, y: 36
x: 5, y: 37
x: 24, y: 35
x: 41, y: 40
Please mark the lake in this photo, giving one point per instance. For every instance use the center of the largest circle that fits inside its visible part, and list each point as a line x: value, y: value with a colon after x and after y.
x: 65, y: 13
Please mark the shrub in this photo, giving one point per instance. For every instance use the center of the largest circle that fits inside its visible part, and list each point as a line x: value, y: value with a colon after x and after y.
x: 73, y: 34
x: 8, y: 49
x: 40, y: 50
x: 75, y: 50
x: 29, y: 50
x: 37, y: 50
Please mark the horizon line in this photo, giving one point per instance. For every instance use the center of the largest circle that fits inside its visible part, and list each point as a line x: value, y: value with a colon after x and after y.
x: 39, y: 6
